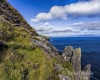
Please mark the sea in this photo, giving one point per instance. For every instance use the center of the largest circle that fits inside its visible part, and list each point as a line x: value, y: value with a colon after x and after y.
x: 90, y: 47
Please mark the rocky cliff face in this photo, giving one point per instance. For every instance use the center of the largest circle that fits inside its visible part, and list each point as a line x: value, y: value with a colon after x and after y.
x: 45, y: 45
x: 74, y: 57
x: 24, y: 55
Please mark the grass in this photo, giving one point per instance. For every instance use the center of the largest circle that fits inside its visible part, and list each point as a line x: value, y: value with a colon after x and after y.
x: 13, y: 17
x: 19, y: 65
x: 20, y: 62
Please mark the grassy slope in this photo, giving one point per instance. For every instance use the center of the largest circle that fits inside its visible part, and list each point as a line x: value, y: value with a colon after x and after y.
x: 11, y: 16
x: 20, y: 61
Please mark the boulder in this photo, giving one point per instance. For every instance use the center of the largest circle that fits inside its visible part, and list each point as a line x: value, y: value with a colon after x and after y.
x: 63, y: 77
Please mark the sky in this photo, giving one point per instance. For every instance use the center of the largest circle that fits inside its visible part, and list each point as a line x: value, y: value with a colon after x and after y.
x: 58, y: 18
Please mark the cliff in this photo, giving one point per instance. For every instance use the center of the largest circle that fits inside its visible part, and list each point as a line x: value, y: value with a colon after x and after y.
x: 25, y: 55
x: 74, y: 57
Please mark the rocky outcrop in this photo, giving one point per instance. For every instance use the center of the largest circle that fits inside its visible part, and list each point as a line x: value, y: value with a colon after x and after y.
x: 74, y: 57
x: 69, y: 54
x: 58, y: 68
x: 45, y: 45
x: 87, y: 72
x: 63, y: 77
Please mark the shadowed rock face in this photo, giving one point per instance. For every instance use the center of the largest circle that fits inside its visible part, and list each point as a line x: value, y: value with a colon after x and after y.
x: 3, y: 46
x: 74, y: 57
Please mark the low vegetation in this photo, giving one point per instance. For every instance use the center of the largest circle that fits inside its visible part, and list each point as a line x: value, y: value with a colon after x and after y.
x: 20, y: 62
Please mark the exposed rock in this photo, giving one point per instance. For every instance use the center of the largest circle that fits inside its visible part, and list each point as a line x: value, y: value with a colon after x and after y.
x: 58, y: 68
x: 41, y: 38
x: 74, y: 57
x: 45, y: 45
x: 63, y: 77
x: 76, y: 61
x: 86, y: 72
x: 67, y: 53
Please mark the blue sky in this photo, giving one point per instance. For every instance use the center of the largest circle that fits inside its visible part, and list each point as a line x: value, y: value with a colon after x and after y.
x: 61, y: 17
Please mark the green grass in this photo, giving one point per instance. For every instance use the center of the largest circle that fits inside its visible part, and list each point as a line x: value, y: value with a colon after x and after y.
x: 15, y: 64
x: 14, y: 17
x: 20, y: 62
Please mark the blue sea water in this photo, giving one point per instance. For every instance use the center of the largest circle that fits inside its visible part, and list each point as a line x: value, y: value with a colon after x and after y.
x: 90, y: 50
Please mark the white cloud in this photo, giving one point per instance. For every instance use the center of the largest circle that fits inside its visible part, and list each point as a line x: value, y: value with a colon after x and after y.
x: 91, y: 26
x: 88, y: 26
x: 47, y: 29
x: 78, y: 24
x: 41, y: 16
x: 46, y: 24
x: 89, y: 8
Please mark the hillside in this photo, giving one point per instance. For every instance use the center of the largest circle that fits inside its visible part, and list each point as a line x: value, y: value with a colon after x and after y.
x: 24, y: 55
x: 11, y: 16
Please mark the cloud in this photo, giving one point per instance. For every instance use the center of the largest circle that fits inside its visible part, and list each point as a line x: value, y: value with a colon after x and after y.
x: 91, y: 26
x: 88, y: 26
x: 47, y: 29
x: 90, y: 8
x: 78, y: 24
x: 46, y: 24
